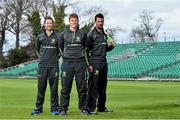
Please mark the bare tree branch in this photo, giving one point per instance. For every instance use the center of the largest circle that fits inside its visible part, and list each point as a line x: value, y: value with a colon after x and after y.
x: 18, y: 8
x: 148, y: 27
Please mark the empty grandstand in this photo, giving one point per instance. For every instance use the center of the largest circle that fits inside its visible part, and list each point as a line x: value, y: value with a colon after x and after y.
x: 160, y: 60
x: 149, y: 60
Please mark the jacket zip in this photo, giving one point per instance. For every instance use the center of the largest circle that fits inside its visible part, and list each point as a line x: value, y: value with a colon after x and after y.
x: 73, y: 36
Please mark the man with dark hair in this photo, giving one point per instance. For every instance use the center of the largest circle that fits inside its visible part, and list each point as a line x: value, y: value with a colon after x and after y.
x: 73, y: 46
x: 98, y: 46
x: 48, y: 53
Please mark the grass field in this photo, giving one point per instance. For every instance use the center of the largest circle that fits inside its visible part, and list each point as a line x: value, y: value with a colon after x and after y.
x: 128, y: 99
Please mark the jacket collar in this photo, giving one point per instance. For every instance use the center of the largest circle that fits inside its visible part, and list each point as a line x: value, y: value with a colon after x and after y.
x: 68, y: 28
x: 53, y: 31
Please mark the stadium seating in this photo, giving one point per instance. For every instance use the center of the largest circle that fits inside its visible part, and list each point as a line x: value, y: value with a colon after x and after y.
x: 170, y: 72
x: 149, y: 58
x: 19, y: 70
x: 138, y: 60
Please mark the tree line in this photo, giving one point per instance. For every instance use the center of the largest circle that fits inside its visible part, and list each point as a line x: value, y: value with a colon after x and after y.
x: 23, y: 17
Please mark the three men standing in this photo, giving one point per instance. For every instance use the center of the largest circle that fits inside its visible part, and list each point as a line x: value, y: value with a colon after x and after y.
x: 73, y: 45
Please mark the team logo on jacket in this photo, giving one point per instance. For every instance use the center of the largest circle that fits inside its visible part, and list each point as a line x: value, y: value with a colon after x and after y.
x: 64, y: 74
x: 56, y: 74
x: 53, y: 41
x: 77, y: 39
x: 96, y: 72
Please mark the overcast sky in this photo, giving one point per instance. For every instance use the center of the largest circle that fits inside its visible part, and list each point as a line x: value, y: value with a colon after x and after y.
x: 124, y: 12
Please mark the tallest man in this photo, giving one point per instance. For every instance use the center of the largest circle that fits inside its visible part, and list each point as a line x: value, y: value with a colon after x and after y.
x: 98, y: 47
x: 73, y: 46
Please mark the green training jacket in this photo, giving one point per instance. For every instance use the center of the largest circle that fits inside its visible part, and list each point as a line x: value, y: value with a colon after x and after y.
x: 47, y: 49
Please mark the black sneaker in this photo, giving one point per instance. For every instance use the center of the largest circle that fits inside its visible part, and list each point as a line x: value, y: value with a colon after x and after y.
x: 36, y: 112
x: 105, y: 110
x: 85, y: 112
x: 62, y: 113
